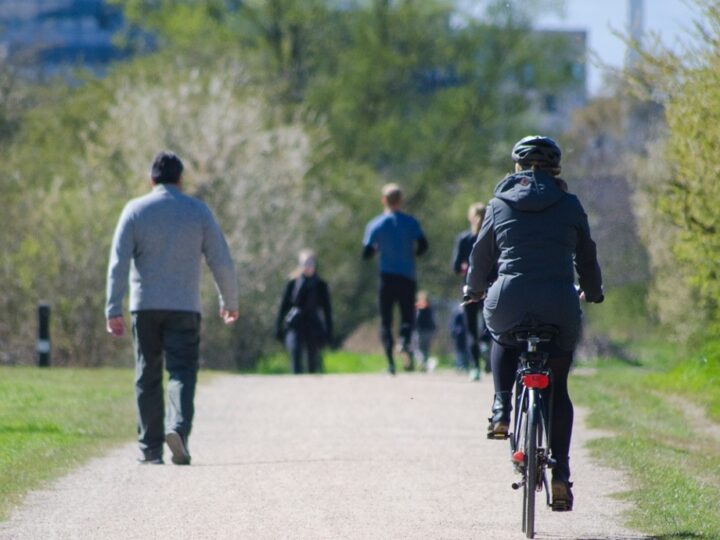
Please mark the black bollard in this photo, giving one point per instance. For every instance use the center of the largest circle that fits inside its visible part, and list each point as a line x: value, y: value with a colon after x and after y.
x: 43, y: 343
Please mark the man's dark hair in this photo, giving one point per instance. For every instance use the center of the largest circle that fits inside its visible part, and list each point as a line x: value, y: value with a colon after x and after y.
x: 166, y: 168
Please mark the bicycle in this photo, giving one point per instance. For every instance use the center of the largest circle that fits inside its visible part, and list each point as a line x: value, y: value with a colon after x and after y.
x: 532, y: 428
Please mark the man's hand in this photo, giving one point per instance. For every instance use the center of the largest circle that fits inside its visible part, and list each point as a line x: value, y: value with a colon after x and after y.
x: 116, y: 326
x: 229, y: 316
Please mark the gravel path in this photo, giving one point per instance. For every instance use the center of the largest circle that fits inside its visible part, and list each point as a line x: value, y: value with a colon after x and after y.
x: 365, y: 456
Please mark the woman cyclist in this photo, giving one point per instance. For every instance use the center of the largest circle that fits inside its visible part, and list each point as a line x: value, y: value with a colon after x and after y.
x: 533, y: 233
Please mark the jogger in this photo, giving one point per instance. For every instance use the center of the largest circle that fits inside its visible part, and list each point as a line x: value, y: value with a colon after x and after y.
x: 398, y: 238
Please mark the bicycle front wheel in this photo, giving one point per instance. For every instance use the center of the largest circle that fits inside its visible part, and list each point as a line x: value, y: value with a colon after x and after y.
x: 531, y: 470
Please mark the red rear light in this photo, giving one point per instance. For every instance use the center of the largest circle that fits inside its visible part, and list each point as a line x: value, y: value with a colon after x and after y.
x: 519, y: 457
x: 536, y: 380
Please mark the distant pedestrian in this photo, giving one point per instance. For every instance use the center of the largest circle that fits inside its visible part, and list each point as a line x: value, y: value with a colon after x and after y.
x: 473, y: 311
x: 425, y: 327
x: 398, y: 238
x: 458, y: 331
x: 304, y: 320
x: 160, y: 241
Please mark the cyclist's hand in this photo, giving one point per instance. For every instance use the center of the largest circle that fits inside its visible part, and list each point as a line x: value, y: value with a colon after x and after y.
x: 229, y: 316
x: 116, y: 326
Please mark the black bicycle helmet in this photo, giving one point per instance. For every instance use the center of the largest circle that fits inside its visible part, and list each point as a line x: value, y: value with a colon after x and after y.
x: 537, y: 150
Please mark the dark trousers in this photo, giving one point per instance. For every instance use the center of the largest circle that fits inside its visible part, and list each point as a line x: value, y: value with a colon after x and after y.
x: 471, y: 322
x: 393, y: 290
x: 176, y: 335
x: 424, y: 342
x: 298, y: 342
x: 504, y: 366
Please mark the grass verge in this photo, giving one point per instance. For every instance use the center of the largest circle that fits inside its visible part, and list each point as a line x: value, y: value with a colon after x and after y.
x: 333, y: 362
x: 675, y: 471
x: 697, y: 378
x: 53, y: 419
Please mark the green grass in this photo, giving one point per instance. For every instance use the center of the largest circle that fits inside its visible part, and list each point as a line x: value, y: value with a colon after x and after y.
x: 53, y: 419
x: 675, y: 472
x: 333, y: 362
x: 697, y: 378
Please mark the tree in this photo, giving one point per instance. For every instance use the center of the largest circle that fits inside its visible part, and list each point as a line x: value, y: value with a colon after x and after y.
x: 249, y: 170
x: 682, y: 190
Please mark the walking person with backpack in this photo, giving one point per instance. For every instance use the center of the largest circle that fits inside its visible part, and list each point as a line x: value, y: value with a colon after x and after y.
x: 159, y: 244
x: 304, y: 321
x: 398, y: 238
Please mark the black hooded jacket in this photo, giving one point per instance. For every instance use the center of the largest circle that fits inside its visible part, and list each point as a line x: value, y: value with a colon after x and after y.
x: 537, y: 236
x: 308, y: 298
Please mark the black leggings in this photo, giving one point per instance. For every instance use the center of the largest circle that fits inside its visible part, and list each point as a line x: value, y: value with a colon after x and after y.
x: 504, y: 366
x: 401, y: 290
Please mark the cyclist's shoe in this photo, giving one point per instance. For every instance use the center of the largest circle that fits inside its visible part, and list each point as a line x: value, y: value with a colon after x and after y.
x: 561, y: 487
x: 500, y: 419
x: 178, y: 447
x: 391, y: 368
x: 474, y: 374
x: 562, y: 496
x: 498, y: 430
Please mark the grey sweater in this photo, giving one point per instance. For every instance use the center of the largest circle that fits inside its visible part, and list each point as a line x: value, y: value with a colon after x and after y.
x: 160, y: 241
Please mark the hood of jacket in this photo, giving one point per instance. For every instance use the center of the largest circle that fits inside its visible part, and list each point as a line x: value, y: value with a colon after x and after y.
x: 529, y: 191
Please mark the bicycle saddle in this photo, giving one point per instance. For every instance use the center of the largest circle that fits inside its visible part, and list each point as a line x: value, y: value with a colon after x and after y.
x: 546, y: 332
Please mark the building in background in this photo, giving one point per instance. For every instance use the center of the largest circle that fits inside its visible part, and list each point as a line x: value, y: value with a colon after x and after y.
x: 49, y: 36
x: 555, y: 108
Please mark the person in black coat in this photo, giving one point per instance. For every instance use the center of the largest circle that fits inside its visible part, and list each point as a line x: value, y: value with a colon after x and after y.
x: 536, y: 236
x: 304, y: 321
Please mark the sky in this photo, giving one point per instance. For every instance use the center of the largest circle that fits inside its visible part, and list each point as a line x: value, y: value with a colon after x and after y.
x: 669, y: 19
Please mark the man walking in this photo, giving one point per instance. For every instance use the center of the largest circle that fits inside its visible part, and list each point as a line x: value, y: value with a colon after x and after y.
x: 399, y: 238
x: 160, y: 241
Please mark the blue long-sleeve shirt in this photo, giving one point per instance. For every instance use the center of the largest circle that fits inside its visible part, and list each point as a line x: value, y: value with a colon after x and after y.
x: 159, y: 244
x: 394, y: 235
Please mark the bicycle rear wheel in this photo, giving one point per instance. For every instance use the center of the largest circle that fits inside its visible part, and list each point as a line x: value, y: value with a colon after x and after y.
x: 518, y: 444
x: 531, y: 469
